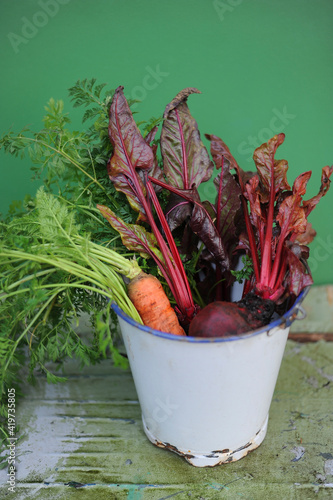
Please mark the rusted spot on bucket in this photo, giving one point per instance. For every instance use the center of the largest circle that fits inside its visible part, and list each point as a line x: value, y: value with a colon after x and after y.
x: 244, y: 447
x: 170, y: 447
x: 217, y: 457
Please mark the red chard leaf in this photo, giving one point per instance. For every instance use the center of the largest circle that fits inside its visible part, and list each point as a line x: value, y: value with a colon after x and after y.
x: 185, y: 159
x: 130, y: 151
x: 270, y: 169
x: 297, y: 278
x: 228, y: 208
x: 151, y: 135
x: 130, y: 148
x: 220, y: 152
x: 179, y: 209
x: 257, y: 217
x: 308, y: 236
x: 299, y: 186
x: 156, y: 172
x: 180, y: 97
x: 299, y: 249
x: 291, y: 217
x: 123, y: 184
x: 203, y: 226
x: 223, y: 158
x: 252, y: 194
x: 133, y: 236
x: 324, y: 187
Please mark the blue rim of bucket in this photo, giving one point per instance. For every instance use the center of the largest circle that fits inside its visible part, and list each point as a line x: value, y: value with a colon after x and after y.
x: 283, y: 321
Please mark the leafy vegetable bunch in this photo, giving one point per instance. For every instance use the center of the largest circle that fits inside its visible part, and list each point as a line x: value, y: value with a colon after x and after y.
x: 257, y: 214
x: 84, y: 241
x: 59, y: 259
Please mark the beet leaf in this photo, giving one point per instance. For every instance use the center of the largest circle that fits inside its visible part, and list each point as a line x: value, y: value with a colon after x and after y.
x: 228, y: 202
x: 278, y: 216
x: 185, y: 159
x: 132, y: 158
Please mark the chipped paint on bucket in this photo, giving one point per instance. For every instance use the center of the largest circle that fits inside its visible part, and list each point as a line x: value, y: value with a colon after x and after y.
x: 206, y: 399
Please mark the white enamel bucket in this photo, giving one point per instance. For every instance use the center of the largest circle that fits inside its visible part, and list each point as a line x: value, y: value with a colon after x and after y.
x: 206, y: 399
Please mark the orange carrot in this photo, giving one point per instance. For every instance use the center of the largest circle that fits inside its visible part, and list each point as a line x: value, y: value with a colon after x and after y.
x: 151, y: 302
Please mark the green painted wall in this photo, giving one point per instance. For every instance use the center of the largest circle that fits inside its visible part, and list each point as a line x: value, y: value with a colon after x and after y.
x: 262, y: 66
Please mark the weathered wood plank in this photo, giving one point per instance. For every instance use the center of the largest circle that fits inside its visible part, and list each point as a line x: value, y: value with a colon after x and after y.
x: 88, y: 388
x: 318, y: 305
x: 245, y: 488
x: 87, y: 408
x: 89, y: 431
x: 310, y: 337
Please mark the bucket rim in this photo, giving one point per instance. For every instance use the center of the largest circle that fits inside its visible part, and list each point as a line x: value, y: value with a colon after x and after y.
x: 283, y: 321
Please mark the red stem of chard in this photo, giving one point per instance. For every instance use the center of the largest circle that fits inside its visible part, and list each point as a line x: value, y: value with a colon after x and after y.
x: 178, y: 272
x: 177, y: 191
x: 252, y: 241
x: 174, y: 274
x: 266, y: 261
x: 281, y: 274
x: 277, y: 260
x: 249, y: 229
x: 218, y: 292
x: 219, y: 196
x: 185, y: 173
x: 278, y: 253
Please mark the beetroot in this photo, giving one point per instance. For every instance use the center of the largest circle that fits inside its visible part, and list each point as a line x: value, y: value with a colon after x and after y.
x: 221, y: 319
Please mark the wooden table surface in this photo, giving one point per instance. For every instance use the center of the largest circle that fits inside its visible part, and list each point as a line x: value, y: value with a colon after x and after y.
x: 84, y: 440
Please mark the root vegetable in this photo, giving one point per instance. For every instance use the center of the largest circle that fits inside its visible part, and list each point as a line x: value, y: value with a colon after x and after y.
x: 221, y: 319
x: 151, y: 302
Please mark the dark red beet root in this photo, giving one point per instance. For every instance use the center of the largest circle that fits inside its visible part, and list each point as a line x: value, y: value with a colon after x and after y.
x: 259, y: 310
x: 220, y: 319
